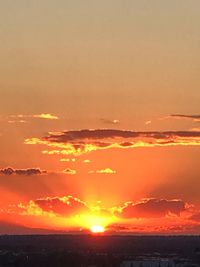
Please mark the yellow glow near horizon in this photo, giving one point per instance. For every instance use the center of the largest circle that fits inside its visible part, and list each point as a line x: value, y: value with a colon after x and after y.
x: 91, y: 221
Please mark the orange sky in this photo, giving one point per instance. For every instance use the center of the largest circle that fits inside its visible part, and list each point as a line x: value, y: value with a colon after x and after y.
x: 99, y: 115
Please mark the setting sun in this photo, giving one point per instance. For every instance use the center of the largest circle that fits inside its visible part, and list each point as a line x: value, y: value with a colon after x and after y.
x: 97, y: 229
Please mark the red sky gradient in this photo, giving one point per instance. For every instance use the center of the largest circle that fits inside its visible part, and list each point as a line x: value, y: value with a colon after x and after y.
x: 99, y: 116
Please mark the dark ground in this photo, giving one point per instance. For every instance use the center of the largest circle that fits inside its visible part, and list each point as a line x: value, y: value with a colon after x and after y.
x: 88, y: 250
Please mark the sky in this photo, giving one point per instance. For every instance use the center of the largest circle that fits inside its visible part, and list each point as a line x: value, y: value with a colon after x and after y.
x: 99, y: 116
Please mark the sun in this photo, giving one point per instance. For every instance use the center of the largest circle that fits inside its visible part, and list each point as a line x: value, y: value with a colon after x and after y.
x: 97, y: 229
x: 94, y: 222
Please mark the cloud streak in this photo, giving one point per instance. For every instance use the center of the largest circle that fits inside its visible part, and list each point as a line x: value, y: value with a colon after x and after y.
x: 30, y: 171
x: 103, y: 171
x: 185, y: 116
x: 107, y: 121
x: 33, y: 171
x: 84, y: 141
x: 47, y: 116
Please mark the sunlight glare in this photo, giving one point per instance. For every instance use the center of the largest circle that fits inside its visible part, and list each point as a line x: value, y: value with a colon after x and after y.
x: 97, y: 229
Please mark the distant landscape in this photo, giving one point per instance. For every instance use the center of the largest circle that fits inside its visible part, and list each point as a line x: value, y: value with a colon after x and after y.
x: 100, y: 251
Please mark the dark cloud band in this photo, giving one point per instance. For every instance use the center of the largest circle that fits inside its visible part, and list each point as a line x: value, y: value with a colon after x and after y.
x: 11, y: 171
x: 84, y: 141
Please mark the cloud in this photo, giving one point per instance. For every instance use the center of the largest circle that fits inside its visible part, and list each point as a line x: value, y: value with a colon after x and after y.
x: 148, y: 122
x: 68, y: 160
x: 31, y: 171
x: 69, y: 171
x: 86, y: 161
x: 184, y: 116
x: 60, y: 206
x: 196, y: 129
x: 17, y: 229
x: 47, y: 116
x: 119, y: 228
x: 107, y: 121
x: 152, y: 208
x: 174, y: 228
x: 195, y: 217
x: 145, y: 216
x: 84, y: 141
x: 103, y: 171
x: 17, y: 121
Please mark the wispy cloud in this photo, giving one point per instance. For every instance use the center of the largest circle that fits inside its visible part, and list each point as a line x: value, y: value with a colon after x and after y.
x: 103, y: 171
x: 17, y: 121
x: 46, y: 116
x: 193, y: 117
x: 86, y: 161
x: 68, y: 160
x: 108, y: 121
x: 148, y: 122
x: 197, y: 129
